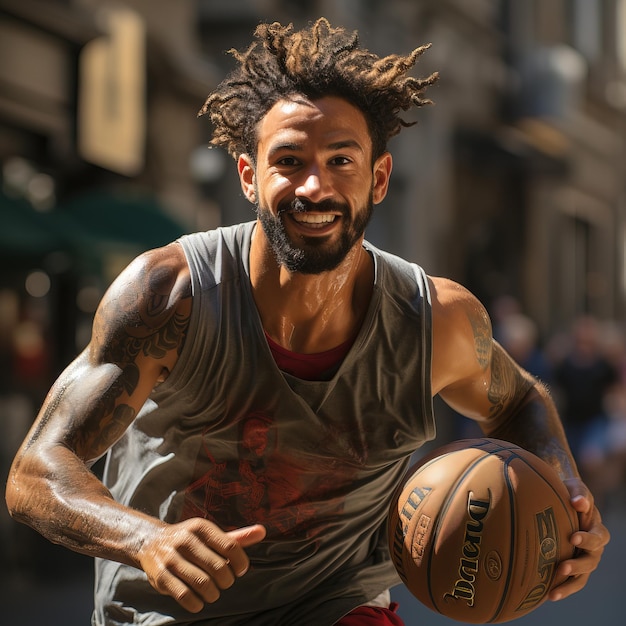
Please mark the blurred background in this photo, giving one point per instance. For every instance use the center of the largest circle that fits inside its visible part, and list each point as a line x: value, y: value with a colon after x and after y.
x: 512, y: 184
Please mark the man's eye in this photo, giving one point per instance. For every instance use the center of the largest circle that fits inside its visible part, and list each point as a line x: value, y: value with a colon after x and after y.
x: 340, y: 160
x: 288, y: 161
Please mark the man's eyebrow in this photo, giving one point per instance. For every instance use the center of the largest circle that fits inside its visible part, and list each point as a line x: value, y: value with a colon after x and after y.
x: 346, y: 143
x: 298, y: 147
x: 284, y: 147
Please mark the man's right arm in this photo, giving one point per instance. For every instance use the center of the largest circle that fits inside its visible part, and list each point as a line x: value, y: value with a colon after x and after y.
x: 138, y: 332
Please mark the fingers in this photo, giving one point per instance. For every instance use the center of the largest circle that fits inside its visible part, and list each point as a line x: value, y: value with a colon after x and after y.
x: 575, y: 571
x: 192, y: 595
x: 576, y: 488
x: 217, y: 547
x: 194, y: 561
x: 593, y: 534
x: 249, y: 535
x: 582, y: 501
x: 569, y: 587
x: 589, y: 542
x: 203, y: 563
x: 245, y: 537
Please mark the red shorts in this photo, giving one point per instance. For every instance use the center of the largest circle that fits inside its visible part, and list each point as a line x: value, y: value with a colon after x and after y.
x: 372, y: 616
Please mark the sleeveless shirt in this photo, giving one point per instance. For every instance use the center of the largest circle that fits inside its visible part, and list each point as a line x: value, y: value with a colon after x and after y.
x: 231, y: 438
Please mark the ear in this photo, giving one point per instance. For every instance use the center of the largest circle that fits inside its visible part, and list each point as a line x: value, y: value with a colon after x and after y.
x: 382, y: 173
x: 245, y: 169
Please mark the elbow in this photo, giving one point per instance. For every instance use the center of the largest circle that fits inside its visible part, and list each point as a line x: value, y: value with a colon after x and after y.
x: 12, y: 497
x: 22, y: 490
x: 14, y: 491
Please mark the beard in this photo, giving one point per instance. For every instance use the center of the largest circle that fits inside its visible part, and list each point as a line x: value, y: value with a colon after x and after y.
x: 313, y: 255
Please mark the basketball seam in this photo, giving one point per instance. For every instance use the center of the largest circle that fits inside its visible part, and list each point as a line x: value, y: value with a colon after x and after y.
x: 440, y: 516
x: 512, y: 513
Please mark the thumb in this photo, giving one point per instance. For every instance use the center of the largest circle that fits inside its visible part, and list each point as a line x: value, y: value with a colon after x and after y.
x: 248, y: 535
x: 580, y: 497
x: 576, y: 487
x: 581, y: 501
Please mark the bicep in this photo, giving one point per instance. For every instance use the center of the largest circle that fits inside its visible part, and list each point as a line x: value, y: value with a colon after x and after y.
x: 138, y: 332
x: 492, y: 394
x: 471, y: 371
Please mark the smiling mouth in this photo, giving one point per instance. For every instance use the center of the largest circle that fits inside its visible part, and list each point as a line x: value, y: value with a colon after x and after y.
x: 316, y: 220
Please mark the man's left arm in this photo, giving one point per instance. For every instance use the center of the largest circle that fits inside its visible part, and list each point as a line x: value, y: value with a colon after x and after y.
x: 478, y: 379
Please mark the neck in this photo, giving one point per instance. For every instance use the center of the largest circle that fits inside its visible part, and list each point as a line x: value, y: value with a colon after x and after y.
x: 310, y: 313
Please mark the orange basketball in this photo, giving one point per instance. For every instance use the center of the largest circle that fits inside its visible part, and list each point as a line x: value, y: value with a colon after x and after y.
x: 478, y: 528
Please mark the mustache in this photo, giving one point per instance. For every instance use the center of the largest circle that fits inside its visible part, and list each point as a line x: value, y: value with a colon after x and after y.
x: 301, y: 205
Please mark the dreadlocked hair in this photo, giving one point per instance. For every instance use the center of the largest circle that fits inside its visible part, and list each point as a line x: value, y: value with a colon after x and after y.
x: 315, y: 62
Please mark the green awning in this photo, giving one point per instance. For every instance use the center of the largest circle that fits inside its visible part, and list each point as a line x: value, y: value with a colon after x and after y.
x: 130, y: 219
x: 26, y: 232
x: 89, y: 228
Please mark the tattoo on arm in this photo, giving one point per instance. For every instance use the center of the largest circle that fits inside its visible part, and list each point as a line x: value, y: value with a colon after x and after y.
x: 168, y: 338
x: 150, y: 325
x: 515, y: 412
x: 142, y: 327
x: 481, y: 329
x: 151, y: 342
x: 115, y: 427
x: 508, y: 386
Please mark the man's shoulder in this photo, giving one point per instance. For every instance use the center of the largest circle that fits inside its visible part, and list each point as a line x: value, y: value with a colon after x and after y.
x: 450, y: 292
x: 396, y: 264
x: 454, y: 305
x: 401, y: 282
x: 160, y: 265
x: 235, y: 236
x: 160, y: 270
x: 218, y: 256
x: 241, y: 229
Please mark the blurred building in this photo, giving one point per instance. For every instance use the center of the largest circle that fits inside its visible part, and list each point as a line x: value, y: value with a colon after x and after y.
x: 97, y: 129
x: 98, y: 124
x: 513, y: 183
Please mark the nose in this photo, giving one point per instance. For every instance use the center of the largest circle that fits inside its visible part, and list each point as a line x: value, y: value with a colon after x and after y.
x: 314, y: 185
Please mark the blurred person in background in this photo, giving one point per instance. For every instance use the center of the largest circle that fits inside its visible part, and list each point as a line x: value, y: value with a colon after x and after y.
x: 582, y: 378
x: 602, y: 455
x: 519, y: 336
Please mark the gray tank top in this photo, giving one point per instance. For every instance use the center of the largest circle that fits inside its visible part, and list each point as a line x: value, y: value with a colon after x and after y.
x: 231, y: 438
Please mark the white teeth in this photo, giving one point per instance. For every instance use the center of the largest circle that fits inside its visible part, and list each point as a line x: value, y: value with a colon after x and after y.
x: 313, y: 218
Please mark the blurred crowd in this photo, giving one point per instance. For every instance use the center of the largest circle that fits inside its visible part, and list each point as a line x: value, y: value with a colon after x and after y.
x: 584, y: 366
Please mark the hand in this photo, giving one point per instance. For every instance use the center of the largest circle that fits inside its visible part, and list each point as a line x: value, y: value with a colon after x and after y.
x: 589, y: 541
x: 192, y: 561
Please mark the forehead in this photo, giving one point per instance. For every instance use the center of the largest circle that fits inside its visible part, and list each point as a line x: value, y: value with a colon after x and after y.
x: 326, y: 120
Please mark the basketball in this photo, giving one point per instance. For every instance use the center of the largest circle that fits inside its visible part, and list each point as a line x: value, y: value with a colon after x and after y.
x: 478, y: 528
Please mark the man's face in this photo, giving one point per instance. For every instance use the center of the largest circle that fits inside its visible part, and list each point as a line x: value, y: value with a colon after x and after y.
x: 314, y: 183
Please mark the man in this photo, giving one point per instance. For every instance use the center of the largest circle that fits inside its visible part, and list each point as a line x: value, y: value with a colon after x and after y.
x: 259, y: 389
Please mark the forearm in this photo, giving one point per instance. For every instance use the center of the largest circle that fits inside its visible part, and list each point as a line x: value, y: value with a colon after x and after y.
x: 57, y: 495
x: 535, y: 425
